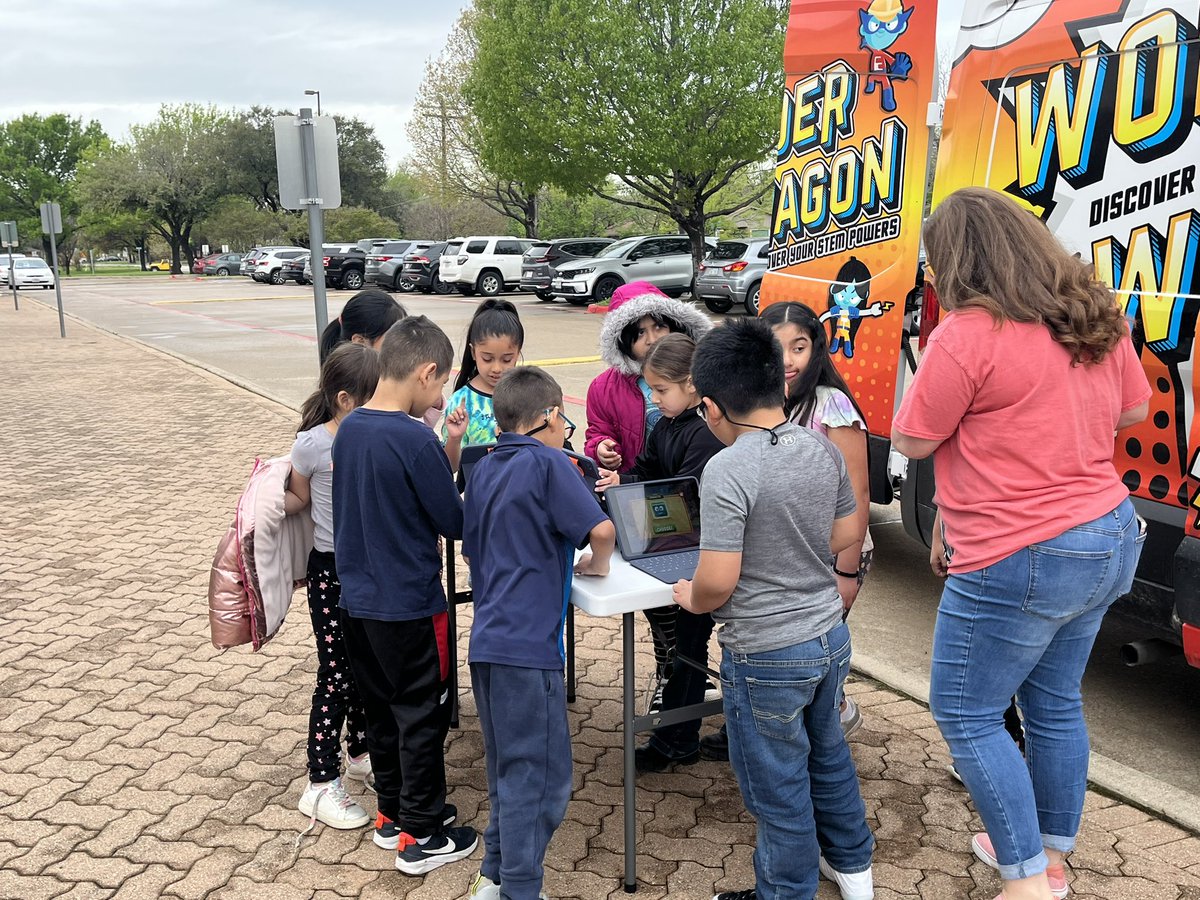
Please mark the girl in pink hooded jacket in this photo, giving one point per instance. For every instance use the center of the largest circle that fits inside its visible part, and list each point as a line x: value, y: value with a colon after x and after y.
x: 619, y: 411
x: 621, y: 414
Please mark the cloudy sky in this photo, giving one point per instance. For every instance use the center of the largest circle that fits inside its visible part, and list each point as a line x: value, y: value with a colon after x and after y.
x: 117, y: 60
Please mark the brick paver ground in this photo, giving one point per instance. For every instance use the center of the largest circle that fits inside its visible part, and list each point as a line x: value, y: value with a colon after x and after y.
x: 137, y: 761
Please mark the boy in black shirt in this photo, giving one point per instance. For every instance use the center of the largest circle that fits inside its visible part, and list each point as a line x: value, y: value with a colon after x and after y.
x: 393, y: 494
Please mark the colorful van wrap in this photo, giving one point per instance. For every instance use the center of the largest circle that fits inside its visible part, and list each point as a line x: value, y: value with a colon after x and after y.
x: 1086, y: 111
x: 850, y: 180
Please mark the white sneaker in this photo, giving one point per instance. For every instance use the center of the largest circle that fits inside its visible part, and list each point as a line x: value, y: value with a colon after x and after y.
x: 711, y: 691
x: 851, y: 717
x: 358, y: 768
x: 859, y: 886
x: 330, y: 803
x: 483, y: 888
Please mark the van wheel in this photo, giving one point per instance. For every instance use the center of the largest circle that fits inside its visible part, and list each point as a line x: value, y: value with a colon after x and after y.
x: 751, y: 302
x: 605, y: 288
x: 352, y: 280
x: 489, y: 283
x: 718, y: 304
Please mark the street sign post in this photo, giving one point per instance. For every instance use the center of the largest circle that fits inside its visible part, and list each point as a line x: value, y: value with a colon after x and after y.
x: 52, y: 225
x: 8, y: 237
x: 307, y: 159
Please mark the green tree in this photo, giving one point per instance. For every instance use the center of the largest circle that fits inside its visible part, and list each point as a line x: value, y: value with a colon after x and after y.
x: 671, y: 97
x: 362, y: 164
x: 39, y: 161
x: 241, y: 223
x: 443, y: 130
x: 345, y: 225
x: 246, y: 146
x: 166, y: 170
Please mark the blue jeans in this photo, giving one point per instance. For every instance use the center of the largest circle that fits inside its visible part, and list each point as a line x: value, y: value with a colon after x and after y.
x: 1025, y: 626
x: 792, y: 762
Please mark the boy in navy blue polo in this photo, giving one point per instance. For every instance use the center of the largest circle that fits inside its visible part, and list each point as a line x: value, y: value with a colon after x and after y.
x: 527, y: 511
x: 393, y: 494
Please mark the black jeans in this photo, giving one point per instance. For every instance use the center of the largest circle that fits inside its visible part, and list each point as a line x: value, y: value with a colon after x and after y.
x: 685, y: 686
x: 335, y: 699
x: 402, y: 671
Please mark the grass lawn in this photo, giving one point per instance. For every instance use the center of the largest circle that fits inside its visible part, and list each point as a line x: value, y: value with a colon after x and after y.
x: 122, y: 269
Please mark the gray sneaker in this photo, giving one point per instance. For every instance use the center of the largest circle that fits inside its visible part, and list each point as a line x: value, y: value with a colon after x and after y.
x: 851, y: 717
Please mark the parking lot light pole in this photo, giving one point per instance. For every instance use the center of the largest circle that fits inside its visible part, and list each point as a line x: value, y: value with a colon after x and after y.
x: 316, y: 94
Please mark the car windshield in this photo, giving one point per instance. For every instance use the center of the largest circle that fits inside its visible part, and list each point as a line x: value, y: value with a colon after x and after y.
x: 618, y: 249
x: 29, y: 264
x: 728, y: 250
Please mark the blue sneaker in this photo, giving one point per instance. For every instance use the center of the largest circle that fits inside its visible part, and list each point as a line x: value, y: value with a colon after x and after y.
x: 387, y: 832
x: 446, y: 846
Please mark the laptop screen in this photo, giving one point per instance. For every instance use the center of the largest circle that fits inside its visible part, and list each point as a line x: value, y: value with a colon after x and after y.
x: 655, y: 517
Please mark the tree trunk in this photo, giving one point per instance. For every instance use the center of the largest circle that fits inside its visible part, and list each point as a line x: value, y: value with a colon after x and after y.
x: 175, y: 250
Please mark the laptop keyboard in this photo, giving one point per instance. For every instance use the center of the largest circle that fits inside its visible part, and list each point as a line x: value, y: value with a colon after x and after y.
x: 670, y: 568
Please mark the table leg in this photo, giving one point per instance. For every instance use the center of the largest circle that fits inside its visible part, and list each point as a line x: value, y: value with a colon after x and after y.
x: 452, y: 631
x: 570, y: 653
x: 630, y: 777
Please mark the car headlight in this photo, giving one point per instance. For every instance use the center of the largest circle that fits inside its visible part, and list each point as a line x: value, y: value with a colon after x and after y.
x: 581, y: 272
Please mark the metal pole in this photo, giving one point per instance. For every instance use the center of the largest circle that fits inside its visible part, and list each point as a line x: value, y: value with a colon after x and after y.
x: 62, y: 322
x: 11, y: 280
x: 316, y: 225
x: 630, y: 772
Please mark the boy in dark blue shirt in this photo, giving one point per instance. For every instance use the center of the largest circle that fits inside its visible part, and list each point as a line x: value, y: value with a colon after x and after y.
x: 527, y: 511
x: 393, y: 494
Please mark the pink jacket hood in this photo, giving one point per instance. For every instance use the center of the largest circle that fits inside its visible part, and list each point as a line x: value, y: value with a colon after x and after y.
x: 634, y: 301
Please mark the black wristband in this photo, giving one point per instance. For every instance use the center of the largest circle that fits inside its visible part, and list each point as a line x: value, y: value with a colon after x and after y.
x: 837, y: 571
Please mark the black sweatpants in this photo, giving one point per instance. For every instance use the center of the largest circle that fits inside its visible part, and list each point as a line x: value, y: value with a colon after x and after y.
x: 402, y: 670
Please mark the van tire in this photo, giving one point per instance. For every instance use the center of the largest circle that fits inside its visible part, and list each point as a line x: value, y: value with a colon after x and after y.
x: 489, y: 283
x: 603, y: 291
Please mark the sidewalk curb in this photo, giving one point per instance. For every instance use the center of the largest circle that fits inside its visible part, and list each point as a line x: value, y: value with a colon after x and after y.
x: 178, y: 357
x: 1107, y: 776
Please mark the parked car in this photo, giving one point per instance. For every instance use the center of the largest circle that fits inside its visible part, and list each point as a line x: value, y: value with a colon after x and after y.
x: 664, y: 260
x: 249, y: 262
x: 449, y: 261
x: 542, y: 260
x: 366, y: 244
x: 732, y: 273
x: 200, y: 263
x: 345, y: 269
x: 223, y: 264
x: 326, y: 251
x: 488, y: 265
x: 293, y: 269
x: 390, y: 254
x: 422, y: 269
x: 29, y: 272
x: 268, y: 265
x: 160, y: 265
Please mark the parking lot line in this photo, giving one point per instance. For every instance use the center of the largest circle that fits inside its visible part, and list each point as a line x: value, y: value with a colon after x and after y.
x: 221, y: 300
x: 562, y: 361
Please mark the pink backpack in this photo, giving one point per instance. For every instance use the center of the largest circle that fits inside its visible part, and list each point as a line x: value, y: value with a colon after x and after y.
x: 260, y: 562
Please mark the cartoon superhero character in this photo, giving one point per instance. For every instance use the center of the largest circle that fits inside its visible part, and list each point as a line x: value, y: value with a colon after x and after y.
x: 881, y: 25
x: 853, y: 287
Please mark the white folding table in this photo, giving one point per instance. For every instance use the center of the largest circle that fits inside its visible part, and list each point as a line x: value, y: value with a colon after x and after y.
x: 623, y: 592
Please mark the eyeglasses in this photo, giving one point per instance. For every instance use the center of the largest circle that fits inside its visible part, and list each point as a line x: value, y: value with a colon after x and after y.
x: 568, y: 425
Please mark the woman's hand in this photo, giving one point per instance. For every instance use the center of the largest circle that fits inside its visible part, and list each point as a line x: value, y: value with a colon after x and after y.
x: 606, y: 480
x: 607, y: 455
x: 848, y: 589
x: 937, y: 550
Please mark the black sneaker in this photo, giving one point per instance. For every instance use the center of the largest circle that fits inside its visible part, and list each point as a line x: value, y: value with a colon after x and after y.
x: 648, y: 758
x: 446, y: 846
x: 737, y: 895
x: 387, y: 832
x: 715, y: 746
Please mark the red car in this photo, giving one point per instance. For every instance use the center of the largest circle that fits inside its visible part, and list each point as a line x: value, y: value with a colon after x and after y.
x: 202, y: 261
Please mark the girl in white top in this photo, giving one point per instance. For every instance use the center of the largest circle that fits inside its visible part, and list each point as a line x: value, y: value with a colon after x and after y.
x: 348, y: 378
x: 818, y: 398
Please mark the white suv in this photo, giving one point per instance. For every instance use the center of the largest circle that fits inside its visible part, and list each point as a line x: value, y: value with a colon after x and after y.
x: 268, y: 265
x: 485, y: 265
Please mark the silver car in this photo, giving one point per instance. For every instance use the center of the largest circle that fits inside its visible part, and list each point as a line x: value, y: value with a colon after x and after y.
x: 732, y: 273
x: 664, y: 260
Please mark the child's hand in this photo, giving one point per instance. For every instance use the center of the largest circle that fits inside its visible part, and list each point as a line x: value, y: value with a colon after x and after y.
x: 606, y: 453
x: 587, y: 565
x: 606, y: 480
x: 681, y: 593
x: 848, y: 590
x: 456, y: 423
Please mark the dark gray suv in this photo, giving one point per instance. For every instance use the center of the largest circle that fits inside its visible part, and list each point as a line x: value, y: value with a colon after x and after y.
x: 541, y: 261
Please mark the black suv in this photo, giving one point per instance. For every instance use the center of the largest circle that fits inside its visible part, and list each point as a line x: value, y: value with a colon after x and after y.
x: 421, y: 270
x: 544, y: 257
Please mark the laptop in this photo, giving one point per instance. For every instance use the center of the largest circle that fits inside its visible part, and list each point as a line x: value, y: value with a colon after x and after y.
x: 658, y: 526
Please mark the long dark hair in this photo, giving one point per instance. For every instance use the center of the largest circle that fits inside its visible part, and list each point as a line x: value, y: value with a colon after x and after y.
x: 353, y: 368
x: 802, y: 396
x: 369, y: 313
x: 493, y: 318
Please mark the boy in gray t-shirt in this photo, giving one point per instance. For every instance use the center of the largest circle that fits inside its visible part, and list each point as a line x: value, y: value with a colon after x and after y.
x: 776, y: 506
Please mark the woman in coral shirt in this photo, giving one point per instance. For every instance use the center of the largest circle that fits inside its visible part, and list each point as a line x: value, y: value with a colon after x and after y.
x: 1017, y: 398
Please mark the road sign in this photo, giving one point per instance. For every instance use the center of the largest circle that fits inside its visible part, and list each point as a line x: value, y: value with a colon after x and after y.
x: 51, y: 218
x: 295, y: 192
x: 8, y: 234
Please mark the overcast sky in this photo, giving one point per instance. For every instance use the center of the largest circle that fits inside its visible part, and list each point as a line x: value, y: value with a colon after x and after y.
x: 118, y: 60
